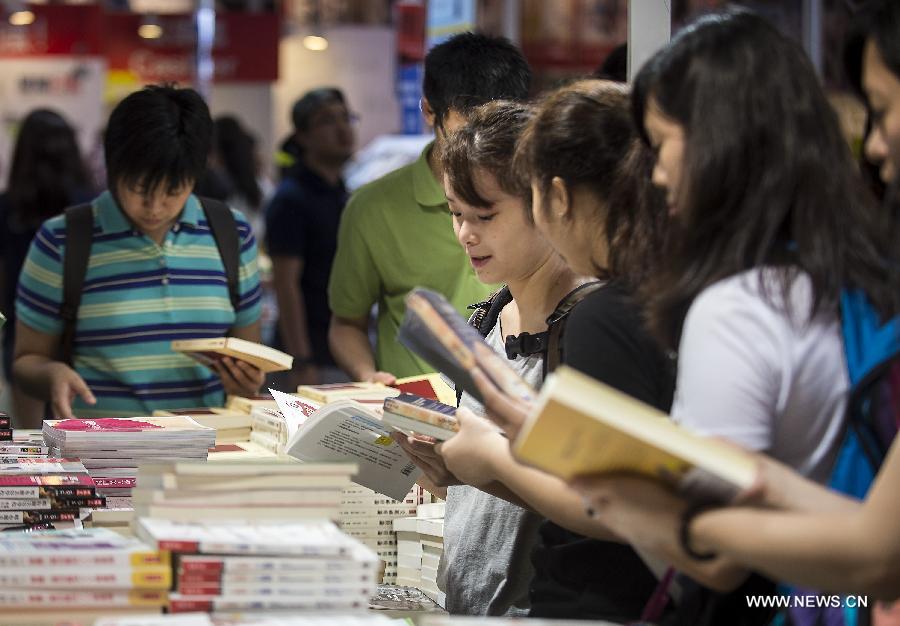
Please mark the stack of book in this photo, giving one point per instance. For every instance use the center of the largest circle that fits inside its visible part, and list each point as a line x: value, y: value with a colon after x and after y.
x: 6, y: 431
x: 42, y: 493
x: 369, y: 517
x: 245, y: 404
x: 273, y: 429
x: 261, y: 491
x: 21, y: 449
x: 431, y: 536
x: 75, y: 575
x: 332, y: 392
x: 417, y: 567
x: 111, y: 448
x: 293, y: 566
x: 230, y: 425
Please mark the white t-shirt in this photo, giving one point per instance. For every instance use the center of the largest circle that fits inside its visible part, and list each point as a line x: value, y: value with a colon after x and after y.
x: 751, y: 372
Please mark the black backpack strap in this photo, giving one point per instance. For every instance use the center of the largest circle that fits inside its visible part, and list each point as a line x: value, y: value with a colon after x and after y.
x: 556, y: 323
x: 485, y: 315
x: 224, y: 230
x: 79, y: 238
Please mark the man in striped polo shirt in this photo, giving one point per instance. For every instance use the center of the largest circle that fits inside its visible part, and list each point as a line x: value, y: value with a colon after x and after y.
x: 154, y: 274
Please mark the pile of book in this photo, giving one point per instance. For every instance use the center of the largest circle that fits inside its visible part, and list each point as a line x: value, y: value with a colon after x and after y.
x: 419, y: 547
x: 111, y: 448
x: 77, y: 575
x: 6, y: 431
x: 307, y: 565
x: 259, y: 491
x: 273, y: 429
x: 369, y: 517
x: 24, y: 445
x: 45, y: 493
x: 230, y: 425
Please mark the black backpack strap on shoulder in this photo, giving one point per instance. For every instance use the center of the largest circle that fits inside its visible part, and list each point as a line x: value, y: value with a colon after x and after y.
x: 79, y: 237
x: 484, y: 316
x: 556, y: 323
x: 224, y: 230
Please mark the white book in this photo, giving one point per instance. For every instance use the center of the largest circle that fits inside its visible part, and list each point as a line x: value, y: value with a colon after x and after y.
x: 346, y: 430
x: 309, y: 538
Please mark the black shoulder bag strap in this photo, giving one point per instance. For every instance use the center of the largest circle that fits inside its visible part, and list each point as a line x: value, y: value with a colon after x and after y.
x: 79, y: 237
x: 224, y: 230
x: 556, y: 323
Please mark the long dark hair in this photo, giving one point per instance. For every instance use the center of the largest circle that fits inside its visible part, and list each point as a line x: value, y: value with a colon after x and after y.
x: 583, y: 133
x: 47, y: 173
x: 768, y: 179
x: 237, y: 149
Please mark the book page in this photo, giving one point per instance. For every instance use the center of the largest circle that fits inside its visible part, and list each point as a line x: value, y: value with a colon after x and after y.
x: 344, y: 432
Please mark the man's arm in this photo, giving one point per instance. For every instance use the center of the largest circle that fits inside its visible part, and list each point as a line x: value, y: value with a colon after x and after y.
x: 348, y: 339
x: 42, y: 376
x: 292, y: 320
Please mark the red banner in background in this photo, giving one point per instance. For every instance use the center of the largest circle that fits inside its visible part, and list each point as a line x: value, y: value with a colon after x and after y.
x: 245, y: 50
x: 246, y: 47
x: 58, y: 29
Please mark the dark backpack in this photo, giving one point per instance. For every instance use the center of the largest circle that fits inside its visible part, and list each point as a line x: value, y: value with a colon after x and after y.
x: 79, y: 239
x: 549, y: 342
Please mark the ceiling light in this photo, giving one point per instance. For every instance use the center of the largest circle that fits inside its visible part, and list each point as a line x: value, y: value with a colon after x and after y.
x: 21, y: 18
x: 315, y: 43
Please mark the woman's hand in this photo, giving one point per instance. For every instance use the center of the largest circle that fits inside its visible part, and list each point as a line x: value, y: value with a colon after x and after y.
x: 421, y: 451
x: 509, y: 413
x: 469, y: 454
x: 239, y: 378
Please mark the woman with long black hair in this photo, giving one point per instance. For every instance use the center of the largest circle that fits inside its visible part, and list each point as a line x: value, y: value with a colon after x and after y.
x: 47, y: 175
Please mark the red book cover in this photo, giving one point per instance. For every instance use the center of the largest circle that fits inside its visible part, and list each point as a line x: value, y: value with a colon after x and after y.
x: 196, y: 564
x: 38, y: 481
x: 421, y: 388
x: 106, y: 424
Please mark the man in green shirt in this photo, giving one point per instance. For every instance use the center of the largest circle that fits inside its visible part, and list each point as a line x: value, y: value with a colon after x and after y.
x: 396, y: 232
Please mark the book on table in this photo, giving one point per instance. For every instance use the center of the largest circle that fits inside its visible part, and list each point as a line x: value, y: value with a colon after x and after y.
x: 580, y: 426
x: 332, y: 392
x: 412, y: 414
x: 350, y: 431
x: 212, y: 350
x: 435, y: 331
x: 431, y: 386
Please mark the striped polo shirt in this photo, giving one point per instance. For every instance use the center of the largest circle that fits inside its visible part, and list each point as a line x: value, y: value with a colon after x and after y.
x: 139, y: 296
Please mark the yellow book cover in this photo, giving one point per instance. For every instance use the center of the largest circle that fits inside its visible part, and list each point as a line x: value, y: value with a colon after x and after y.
x: 208, y: 351
x: 581, y: 426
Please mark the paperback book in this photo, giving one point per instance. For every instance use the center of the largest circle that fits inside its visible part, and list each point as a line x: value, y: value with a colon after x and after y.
x: 209, y: 351
x: 581, y: 426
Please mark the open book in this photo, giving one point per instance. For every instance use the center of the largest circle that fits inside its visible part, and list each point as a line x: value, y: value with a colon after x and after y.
x: 408, y: 413
x: 582, y: 426
x: 348, y: 431
x: 436, y: 332
x: 209, y: 351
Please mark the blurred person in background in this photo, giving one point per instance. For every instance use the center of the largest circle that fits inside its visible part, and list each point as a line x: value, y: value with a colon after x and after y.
x: 47, y: 175
x: 301, y: 232
x: 397, y: 232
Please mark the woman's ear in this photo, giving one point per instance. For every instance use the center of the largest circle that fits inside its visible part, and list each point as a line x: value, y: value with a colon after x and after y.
x: 560, y: 200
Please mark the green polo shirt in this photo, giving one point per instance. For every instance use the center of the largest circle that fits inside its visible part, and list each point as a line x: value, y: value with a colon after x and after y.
x: 396, y: 233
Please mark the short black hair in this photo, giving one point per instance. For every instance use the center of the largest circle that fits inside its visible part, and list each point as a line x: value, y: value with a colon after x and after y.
x: 312, y: 101
x: 160, y: 135
x: 471, y: 69
x: 487, y: 142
